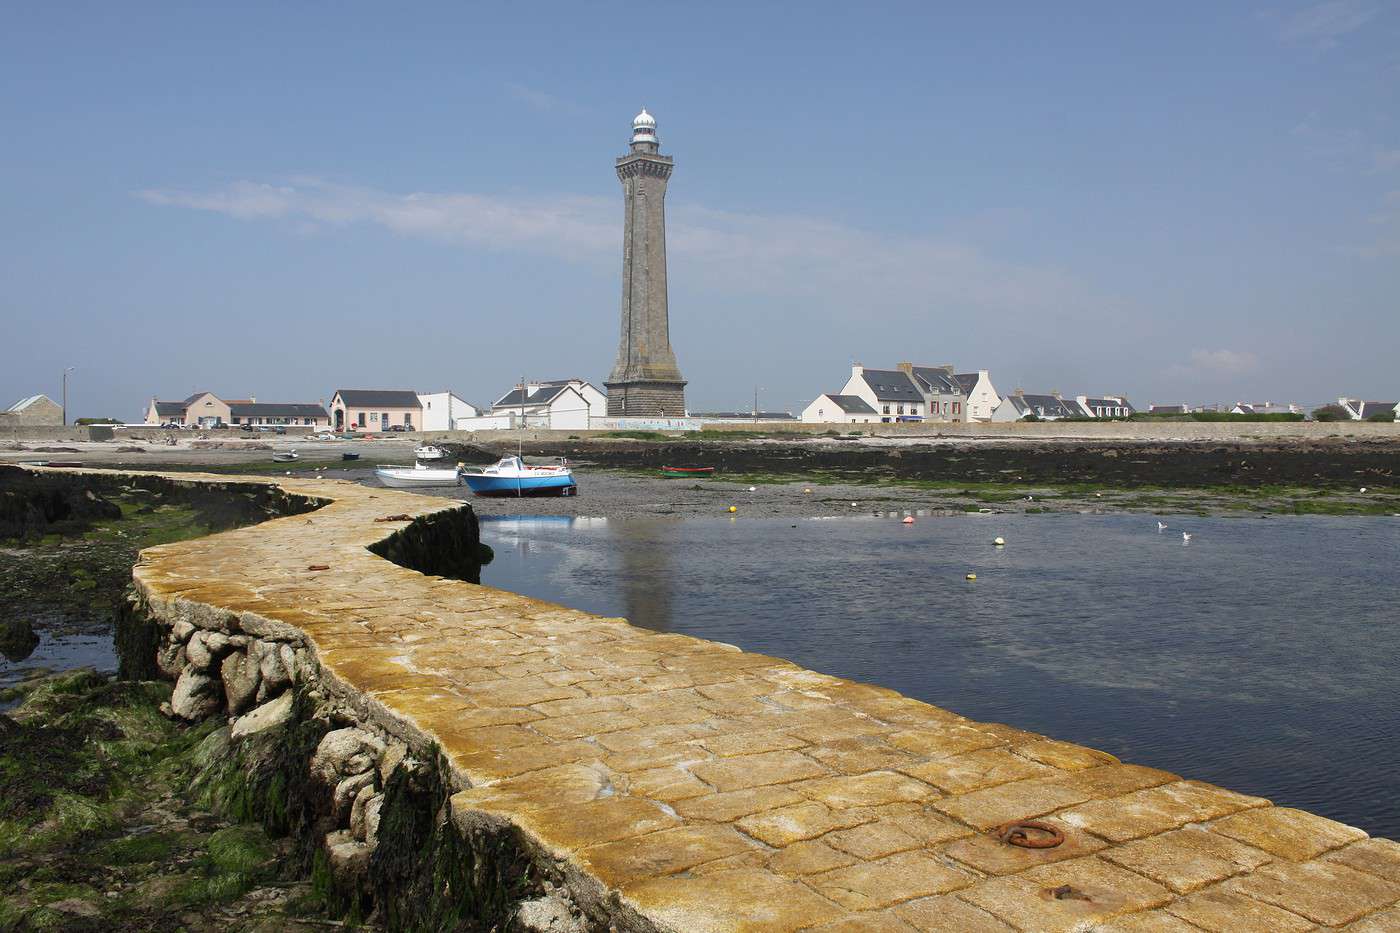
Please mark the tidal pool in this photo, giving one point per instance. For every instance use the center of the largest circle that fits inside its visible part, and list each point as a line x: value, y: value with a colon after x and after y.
x: 1263, y: 655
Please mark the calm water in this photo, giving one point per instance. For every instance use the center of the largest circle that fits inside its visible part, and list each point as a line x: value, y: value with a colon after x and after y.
x: 1264, y: 655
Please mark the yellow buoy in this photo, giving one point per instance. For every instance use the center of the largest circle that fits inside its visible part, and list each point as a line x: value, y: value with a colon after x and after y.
x: 999, y: 541
x: 972, y: 576
x: 807, y: 491
x: 733, y: 509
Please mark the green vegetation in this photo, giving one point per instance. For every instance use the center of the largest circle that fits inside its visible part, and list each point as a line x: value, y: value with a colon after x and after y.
x: 1331, y: 413
x: 1217, y: 416
x: 103, y: 827
x: 1384, y: 416
x: 87, y: 421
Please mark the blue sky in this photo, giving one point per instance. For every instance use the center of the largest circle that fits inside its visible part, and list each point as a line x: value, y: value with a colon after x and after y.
x: 1194, y: 202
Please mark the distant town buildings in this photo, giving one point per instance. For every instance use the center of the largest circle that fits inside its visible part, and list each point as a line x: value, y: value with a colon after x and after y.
x: 207, y: 410
x: 32, y: 411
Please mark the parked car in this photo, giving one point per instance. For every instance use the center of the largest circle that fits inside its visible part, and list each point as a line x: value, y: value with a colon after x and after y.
x: 172, y: 424
x: 396, y: 428
x: 246, y: 427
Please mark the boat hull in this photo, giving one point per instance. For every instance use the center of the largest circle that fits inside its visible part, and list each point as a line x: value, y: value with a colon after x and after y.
x: 418, y: 479
x: 557, y: 485
x: 683, y: 472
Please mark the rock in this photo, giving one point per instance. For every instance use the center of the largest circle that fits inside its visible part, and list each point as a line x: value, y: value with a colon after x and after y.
x: 274, y: 674
x: 76, y: 907
x: 372, y: 811
x: 17, y: 639
x: 343, y: 800
x: 343, y: 753
x: 196, y: 696
x: 241, y: 678
x: 288, y: 656
x: 182, y: 630
x: 170, y: 660
x: 390, y: 760
x: 348, y: 857
x: 205, y: 648
x: 271, y: 715
x: 548, y: 914
x: 358, y: 809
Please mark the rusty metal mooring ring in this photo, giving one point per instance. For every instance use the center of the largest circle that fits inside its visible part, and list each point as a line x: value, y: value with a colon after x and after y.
x: 1018, y: 833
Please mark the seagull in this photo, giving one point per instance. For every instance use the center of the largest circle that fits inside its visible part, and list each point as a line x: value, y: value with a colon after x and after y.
x: 1186, y: 537
x: 1161, y: 526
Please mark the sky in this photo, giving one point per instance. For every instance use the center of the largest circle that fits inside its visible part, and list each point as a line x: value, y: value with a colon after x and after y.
x: 1182, y: 202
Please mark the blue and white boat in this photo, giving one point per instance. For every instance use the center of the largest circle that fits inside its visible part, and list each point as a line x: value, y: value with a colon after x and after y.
x: 511, y: 477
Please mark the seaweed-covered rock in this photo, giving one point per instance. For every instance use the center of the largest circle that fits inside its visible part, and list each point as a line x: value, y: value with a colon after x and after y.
x: 344, y: 753
x: 17, y: 639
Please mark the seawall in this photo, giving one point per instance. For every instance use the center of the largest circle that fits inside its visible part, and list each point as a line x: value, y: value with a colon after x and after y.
x: 473, y: 753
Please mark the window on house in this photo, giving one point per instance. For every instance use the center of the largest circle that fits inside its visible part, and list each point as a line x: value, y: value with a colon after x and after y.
x: 885, y: 420
x: 383, y: 417
x: 361, y: 419
x: 899, y: 410
x: 886, y: 411
x: 957, y: 407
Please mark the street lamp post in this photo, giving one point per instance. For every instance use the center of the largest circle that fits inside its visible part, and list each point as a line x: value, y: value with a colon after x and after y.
x: 65, y: 394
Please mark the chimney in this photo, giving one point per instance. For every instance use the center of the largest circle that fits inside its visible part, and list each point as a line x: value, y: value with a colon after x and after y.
x: 253, y: 399
x: 1055, y: 393
x: 947, y: 368
x: 857, y: 369
x: 906, y: 368
x: 1018, y: 391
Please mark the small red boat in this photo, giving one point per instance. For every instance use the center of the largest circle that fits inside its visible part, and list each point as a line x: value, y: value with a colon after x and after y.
x: 671, y: 472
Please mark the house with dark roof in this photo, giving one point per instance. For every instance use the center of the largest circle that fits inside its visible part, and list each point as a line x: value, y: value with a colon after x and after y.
x: 830, y: 408
x: 1362, y: 411
x: 893, y: 393
x: 1106, y: 406
x: 373, y: 410
x: 1019, y: 406
x: 558, y: 404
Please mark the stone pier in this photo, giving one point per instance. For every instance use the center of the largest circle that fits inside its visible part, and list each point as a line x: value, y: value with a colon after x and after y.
x: 657, y: 782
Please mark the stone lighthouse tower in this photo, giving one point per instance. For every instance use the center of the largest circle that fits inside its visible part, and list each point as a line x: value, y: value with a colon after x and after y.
x: 645, y: 380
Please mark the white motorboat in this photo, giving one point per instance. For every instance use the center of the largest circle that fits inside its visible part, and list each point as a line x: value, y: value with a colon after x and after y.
x: 288, y: 457
x: 418, y: 476
x: 429, y: 452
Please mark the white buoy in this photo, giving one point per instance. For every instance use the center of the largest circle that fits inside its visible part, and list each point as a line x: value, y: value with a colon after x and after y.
x: 853, y: 505
x: 753, y: 489
x: 999, y: 541
x: 1363, y: 488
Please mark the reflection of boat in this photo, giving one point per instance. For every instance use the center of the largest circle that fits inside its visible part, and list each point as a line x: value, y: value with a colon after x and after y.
x: 511, y: 477
x: 288, y: 457
x: 418, y: 476
x: 671, y: 472
x: 429, y: 452
x: 349, y: 456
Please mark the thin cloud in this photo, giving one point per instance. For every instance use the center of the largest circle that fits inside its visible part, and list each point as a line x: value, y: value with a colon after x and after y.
x: 837, y: 265
x: 1322, y: 25
x: 1220, y: 363
x: 539, y: 100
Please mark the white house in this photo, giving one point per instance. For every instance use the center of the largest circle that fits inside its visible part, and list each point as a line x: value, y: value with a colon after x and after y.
x: 892, y: 393
x: 981, y: 397
x: 1360, y: 411
x: 442, y: 409
x: 1265, y: 408
x: 839, y: 409
x: 1106, y: 406
x: 559, y: 404
x: 1019, y: 406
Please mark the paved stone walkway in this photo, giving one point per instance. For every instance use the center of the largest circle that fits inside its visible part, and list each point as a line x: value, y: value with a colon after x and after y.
x: 713, y: 790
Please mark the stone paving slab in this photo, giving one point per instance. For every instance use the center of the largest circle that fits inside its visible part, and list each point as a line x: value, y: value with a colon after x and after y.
x: 709, y: 789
